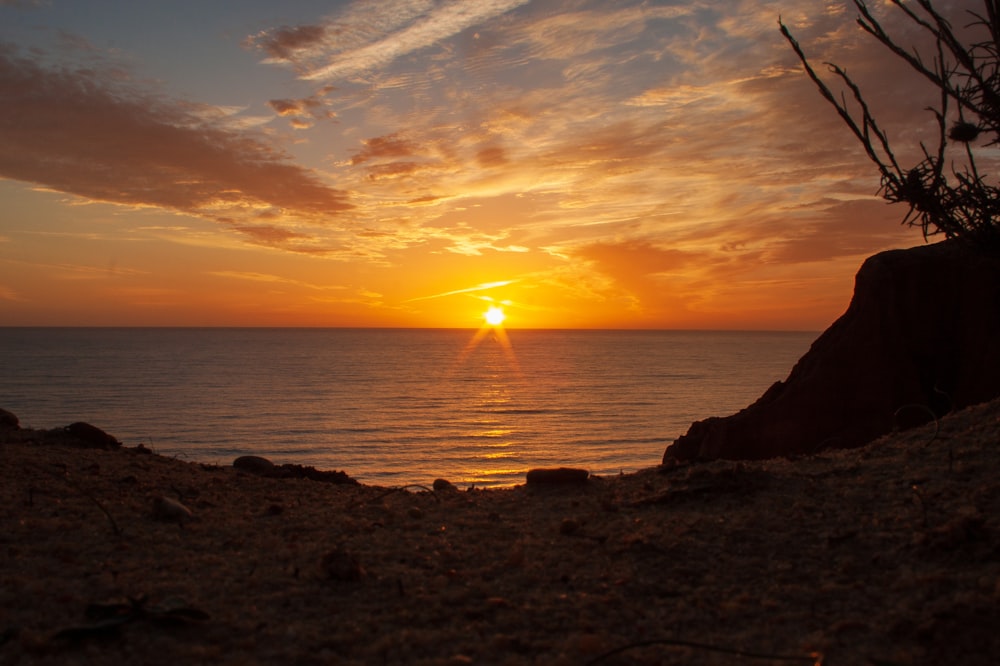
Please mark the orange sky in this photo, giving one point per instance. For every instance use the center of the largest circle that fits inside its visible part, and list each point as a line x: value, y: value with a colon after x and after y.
x: 408, y: 163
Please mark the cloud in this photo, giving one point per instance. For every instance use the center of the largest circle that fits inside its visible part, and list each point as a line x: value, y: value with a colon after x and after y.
x: 283, y: 43
x: 862, y: 227
x: 688, y: 126
x: 637, y: 257
x: 375, y: 34
x: 468, y: 290
x: 87, y: 133
x: 303, y: 112
x: 381, y: 147
x: 275, y: 279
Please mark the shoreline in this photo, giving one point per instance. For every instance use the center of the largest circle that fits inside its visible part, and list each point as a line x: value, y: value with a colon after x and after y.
x: 888, y: 552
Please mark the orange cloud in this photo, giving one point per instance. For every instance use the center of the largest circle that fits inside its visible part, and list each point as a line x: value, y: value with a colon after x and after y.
x: 374, y: 34
x: 381, y: 147
x: 81, y: 132
x: 282, y: 43
x: 304, y: 111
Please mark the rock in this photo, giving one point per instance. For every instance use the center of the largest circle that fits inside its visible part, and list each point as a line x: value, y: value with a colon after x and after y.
x: 170, y: 510
x: 8, y: 421
x: 91, y: 436
x: 921, y: 330
x: 264, y: 467
x: 569, y: 526
x: 293, y: 471
x: 557, y: 476
x: 254, y: 465
x: 443, y: 485
x: 340, y: 565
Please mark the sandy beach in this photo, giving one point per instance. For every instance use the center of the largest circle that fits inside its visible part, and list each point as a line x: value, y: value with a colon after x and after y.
x: 887, y: 554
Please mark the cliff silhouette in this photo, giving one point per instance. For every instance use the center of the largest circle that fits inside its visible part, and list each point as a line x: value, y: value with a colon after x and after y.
x: 919, y: 339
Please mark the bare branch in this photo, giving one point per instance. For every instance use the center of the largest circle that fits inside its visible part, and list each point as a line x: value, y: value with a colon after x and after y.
x: 958, y: 204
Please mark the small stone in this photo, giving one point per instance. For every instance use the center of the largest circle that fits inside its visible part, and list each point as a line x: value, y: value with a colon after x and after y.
x: 254, y: 465
x: 557, y: 476
x: 92, y: 436
x: 170, y: 510
x: 415, y: 512
x: 443, y: 485
x: 569, y: 527
x: 341, y: 566
x: 516, y: 557
x: 8, y: 420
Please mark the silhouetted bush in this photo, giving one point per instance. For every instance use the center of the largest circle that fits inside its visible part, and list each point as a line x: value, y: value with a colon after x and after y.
x: 945, y: 191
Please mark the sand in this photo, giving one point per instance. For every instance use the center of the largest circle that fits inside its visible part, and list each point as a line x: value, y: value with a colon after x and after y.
x: 888, y: 554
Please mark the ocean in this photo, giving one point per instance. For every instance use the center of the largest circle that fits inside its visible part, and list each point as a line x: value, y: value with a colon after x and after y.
x: 393, y: 406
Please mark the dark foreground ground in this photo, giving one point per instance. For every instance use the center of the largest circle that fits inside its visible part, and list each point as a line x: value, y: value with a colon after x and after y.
x: 889, y: 554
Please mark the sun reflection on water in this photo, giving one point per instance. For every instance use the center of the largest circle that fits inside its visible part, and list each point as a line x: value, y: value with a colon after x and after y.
x: 496, y: 443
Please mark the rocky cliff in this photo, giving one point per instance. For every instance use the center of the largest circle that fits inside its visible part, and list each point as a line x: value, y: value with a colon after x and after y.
x: 921, y: 336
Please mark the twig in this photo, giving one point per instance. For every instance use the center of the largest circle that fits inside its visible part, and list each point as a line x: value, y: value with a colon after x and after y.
x: 937, y: 422
x: 923, y: 502
x: 814, y: 658
x: 396, y: 489
x: 76, y: 486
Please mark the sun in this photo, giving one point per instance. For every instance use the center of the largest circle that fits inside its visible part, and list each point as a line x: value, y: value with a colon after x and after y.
x: 494, y: 316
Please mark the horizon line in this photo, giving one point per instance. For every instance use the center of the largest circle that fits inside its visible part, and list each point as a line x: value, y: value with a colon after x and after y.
x: 408, y: 328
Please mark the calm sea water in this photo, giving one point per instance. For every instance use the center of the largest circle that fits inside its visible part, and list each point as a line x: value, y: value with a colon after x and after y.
x: 393, y: 406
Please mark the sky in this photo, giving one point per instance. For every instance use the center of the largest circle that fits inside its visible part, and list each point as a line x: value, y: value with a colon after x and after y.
x: 581, y: 164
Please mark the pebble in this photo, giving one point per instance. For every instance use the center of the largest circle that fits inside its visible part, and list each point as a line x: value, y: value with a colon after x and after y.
x: 254, y: 465
x: 557, y: 476
x: 443, y: 485
x: 170, y: 510
x: 340, y: 565
x: 92, y: 436
x: 569, y: 527
x: 8, y: 420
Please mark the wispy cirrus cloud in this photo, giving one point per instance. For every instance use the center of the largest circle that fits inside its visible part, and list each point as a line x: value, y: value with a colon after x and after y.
x: 269, y: 278
x: 374, y: 35
x: 467, y: 290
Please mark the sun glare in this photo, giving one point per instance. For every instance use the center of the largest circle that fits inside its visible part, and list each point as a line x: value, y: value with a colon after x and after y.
x: 493, y: 329
x: 494, y: 316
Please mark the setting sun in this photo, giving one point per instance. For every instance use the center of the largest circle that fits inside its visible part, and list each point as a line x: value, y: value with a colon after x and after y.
x: 494, y: 316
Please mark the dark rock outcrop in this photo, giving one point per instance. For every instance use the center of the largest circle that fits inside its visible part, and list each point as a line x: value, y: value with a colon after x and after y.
x: 919, y: 337
x: 556, y: 476
x: 9, y: 421
x: 254, y: 465
x: 264, y: 467
x: 90, y: 436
